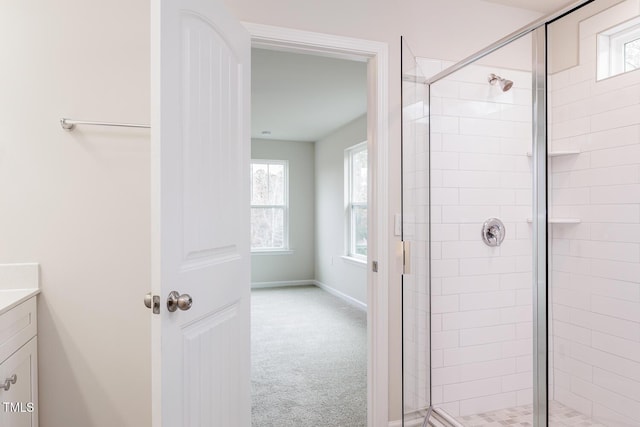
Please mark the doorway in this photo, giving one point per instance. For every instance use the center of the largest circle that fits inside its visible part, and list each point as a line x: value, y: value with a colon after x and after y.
x: 375, y: 55
x: 309, y: 239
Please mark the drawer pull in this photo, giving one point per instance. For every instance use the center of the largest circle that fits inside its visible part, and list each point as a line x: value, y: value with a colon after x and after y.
x: 11, y: 380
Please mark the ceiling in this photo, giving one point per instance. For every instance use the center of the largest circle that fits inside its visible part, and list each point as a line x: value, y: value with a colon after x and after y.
x: 299, y: 97
x: 543, y: 6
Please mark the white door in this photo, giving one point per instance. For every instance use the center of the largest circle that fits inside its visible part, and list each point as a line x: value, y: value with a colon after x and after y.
x: 200, y: 215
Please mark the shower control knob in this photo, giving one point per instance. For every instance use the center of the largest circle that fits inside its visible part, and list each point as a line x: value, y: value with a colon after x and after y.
x: 493, y: 232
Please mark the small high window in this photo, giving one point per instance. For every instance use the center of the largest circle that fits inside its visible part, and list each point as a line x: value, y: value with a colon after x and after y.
x: 619, y: 49
x: 632, y: 55
x: 356, y: 196
x: 269, y: 205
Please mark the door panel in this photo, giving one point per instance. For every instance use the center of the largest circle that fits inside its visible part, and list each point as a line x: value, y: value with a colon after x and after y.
x: 201, y: 152
x: 210, y: 122
x: 208, y: 366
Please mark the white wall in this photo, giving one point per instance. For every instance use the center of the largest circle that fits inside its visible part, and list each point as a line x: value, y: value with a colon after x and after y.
x: 595, y: 276
x: 332, y: 270
x: 435, y: 29
x: 78, y: 203
x: 299, y: 265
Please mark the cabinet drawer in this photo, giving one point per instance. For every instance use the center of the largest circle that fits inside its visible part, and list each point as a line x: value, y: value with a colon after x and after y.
x: 19, y: 404
x: 17, y: 326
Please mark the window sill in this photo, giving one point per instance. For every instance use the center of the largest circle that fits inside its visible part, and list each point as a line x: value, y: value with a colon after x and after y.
x: 273, y: 252
x: 355, y: 261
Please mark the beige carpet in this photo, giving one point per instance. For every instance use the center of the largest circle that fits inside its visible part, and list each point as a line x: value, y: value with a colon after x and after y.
x: 309, y: 359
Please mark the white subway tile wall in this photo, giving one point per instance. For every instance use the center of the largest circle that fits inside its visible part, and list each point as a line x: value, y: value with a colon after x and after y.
x: 482, y: 309
x: 595, y: 265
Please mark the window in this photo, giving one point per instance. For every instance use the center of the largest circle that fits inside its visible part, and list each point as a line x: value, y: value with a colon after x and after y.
x: 632, y: 55
x: 356, y: 196
x: 619, y: 49
x: 269, y: 205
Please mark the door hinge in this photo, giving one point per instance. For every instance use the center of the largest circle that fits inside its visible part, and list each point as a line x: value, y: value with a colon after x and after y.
x: 406, y: 257
x: 374, y: 266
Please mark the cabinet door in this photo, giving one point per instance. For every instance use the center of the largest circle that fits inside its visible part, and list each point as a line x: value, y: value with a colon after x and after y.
x: 18, y: 405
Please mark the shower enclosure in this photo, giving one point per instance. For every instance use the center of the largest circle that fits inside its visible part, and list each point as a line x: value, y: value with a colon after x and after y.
x: 521, y: 226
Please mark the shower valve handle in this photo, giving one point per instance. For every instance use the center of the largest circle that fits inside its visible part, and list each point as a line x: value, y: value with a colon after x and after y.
x: 493, y: 232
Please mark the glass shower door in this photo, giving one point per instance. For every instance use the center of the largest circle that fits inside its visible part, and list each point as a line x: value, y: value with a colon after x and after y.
x: 481, y: 240
x: 415, y: 236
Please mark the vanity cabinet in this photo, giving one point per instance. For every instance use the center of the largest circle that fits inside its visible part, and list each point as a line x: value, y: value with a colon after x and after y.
x: 19, y: 365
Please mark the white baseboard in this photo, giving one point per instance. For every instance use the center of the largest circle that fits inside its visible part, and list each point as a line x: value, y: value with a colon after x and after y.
x: 346, y: 298
x: 260, y: 285
x: 350, y: 300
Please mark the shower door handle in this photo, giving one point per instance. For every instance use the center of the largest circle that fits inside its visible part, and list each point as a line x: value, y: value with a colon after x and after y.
x: 406, y: 257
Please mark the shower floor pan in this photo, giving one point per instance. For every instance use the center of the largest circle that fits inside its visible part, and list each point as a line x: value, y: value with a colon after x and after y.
x: 559, y: 416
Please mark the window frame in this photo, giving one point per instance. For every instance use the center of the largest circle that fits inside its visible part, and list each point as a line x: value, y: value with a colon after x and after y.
x: 611, y: 55
x: 350, y: 240
x: 284, y: 206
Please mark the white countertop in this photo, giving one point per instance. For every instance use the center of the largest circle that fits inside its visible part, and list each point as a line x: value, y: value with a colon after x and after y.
x: 13, y: 297
x: 18, y: 283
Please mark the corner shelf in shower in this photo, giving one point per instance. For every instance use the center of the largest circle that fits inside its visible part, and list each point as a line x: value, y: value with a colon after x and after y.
x: 560, y: 220
x: 558, y: 153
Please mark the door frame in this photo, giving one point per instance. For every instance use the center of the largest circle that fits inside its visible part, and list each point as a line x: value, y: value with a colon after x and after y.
x: 376, y: 54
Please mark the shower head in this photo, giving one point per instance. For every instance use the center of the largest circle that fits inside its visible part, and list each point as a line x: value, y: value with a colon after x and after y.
x: 505, y: 84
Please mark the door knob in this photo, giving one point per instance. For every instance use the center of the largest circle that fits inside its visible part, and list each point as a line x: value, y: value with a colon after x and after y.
x: 148, y: 299
x: 176, y: 301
